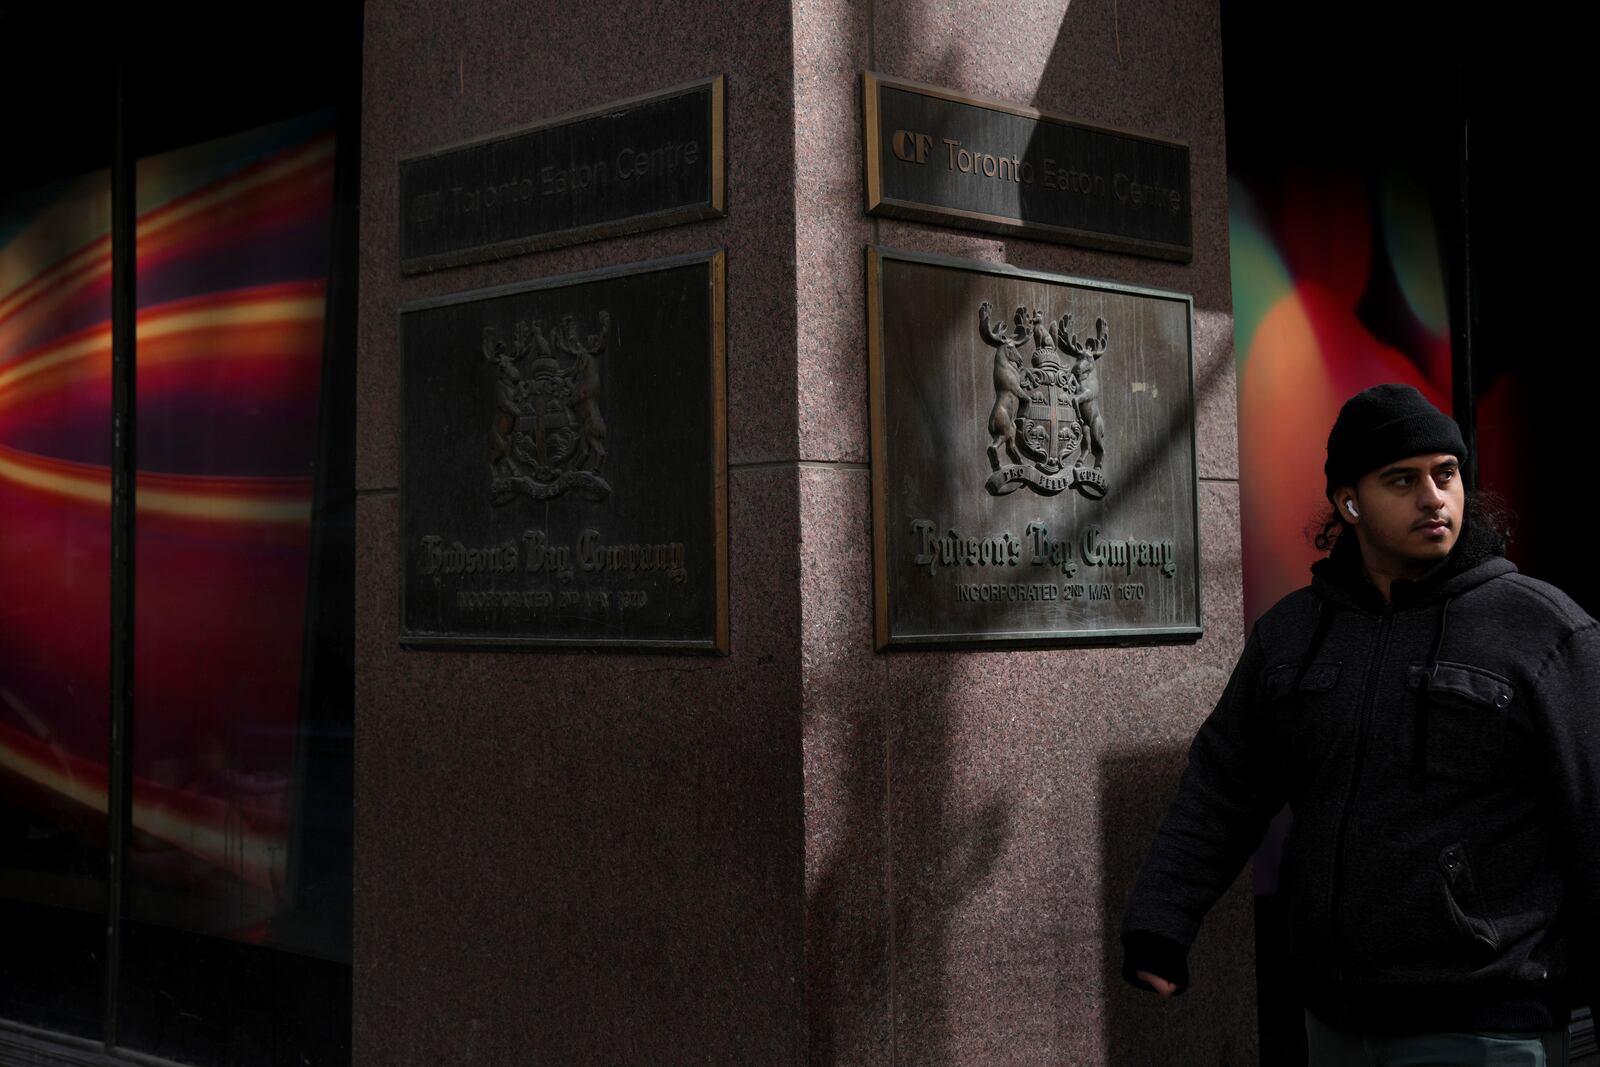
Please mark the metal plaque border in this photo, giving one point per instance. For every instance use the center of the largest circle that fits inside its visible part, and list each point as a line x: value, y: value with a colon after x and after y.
x: 883, y: 640
x: 915, y: 211
x: 719, y: 642
x: 714, y: 208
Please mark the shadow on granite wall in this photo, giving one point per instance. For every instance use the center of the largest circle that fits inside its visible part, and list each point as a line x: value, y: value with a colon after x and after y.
x: 602, y: 871
x: 1136, y: 785
x: 894, y: 851
x: 582, y: 857
x: 959, y: 805
x: 882, y: 929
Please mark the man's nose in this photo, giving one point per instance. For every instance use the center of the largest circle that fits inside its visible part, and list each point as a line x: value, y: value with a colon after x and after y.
x: 1431, y: 497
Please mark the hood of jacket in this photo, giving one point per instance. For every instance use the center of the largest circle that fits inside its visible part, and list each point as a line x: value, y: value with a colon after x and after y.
x: 1478, y: 556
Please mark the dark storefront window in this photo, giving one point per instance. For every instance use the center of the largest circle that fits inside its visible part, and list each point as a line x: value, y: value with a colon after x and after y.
x: 233, y: 250
x: 215, y: 831
x: 55, y: 597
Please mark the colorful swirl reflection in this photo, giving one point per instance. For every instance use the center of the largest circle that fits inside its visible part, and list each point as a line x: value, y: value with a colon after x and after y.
x: 1338, y: 285
x: 233, y: 241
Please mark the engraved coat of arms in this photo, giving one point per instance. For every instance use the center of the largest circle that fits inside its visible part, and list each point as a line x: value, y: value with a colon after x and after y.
x: 1046, y: 427
x: 547, y: 437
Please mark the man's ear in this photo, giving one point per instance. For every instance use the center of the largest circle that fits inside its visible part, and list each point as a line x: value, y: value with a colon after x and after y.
x: 1344, y: 503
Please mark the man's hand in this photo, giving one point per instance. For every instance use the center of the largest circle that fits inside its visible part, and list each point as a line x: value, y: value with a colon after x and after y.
x: 1156, y: 982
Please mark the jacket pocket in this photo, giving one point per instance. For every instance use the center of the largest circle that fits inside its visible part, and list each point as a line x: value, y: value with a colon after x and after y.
x: 1320, y: 677
x: 1464, y: 903
x: 1304, y: 719
x: 1461, y: 721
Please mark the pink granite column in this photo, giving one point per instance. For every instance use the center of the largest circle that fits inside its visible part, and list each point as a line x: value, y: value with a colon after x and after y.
x: 583, y: 858
x: 806, y: 851
x: 973, y: 819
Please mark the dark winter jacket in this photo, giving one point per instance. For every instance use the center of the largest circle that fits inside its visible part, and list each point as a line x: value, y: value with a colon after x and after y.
x: 1441, y: 757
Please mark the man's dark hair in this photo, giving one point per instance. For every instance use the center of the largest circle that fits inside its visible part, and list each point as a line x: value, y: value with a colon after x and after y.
x: 1485, y: 513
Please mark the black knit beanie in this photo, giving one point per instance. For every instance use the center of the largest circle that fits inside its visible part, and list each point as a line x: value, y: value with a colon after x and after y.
x: 1384, y: 423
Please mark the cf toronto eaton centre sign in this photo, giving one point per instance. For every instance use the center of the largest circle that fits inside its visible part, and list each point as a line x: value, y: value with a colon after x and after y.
x: 939, y: 156
x: 631, y: 165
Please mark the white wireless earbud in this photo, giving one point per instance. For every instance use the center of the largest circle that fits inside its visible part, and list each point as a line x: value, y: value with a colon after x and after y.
x: 1350, y: 506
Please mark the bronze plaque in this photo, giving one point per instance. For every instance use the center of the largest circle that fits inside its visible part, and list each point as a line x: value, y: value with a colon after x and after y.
x: 631, y: 165
x: 564, y: 462
x: 934, y: 155
x: 1033, y: 457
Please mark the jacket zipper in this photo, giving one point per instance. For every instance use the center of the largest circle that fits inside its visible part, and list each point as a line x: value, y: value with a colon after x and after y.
x: 1363, y: 728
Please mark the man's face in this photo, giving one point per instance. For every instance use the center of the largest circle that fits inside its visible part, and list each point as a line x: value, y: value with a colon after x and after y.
x: 1410, y: 513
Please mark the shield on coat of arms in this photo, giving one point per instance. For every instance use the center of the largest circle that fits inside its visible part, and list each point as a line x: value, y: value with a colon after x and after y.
x: 548, y: 435
x: 1049, y: 430
x: 1046, y: 419
x: 546, y: 431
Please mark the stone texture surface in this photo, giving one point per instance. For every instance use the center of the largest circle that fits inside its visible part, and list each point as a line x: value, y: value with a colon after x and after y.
x: 1024, y: 789
x: 995, y: 835
x: 1021, y: 791
x: 439, y: 74
x: 830, y: 52
x: 582, y: 859
x: 847, y: 703
x: 571, y: 858
x: 1216, y: 395
x: 1156, y: 71
x: 807, y: 850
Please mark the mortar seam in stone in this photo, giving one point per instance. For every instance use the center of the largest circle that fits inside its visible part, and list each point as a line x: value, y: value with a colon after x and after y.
x: 888, y: 861
x: 784, y: 464
x: 874, y: 235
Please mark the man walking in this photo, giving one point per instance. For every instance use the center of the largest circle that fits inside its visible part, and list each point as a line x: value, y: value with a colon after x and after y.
x: 1431, y: 718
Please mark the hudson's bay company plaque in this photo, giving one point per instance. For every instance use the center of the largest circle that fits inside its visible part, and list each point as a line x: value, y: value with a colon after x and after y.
x: 631, y: 165
x: 938, y: 156
x: 1033, y: 457
x: 564, y: 462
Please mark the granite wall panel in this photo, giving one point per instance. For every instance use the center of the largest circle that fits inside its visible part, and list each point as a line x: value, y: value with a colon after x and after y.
x: 1003, y: 820
x: 436, y: 75
x: 806, y: 851
x: 583, y: 858
x: 571, y: 858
